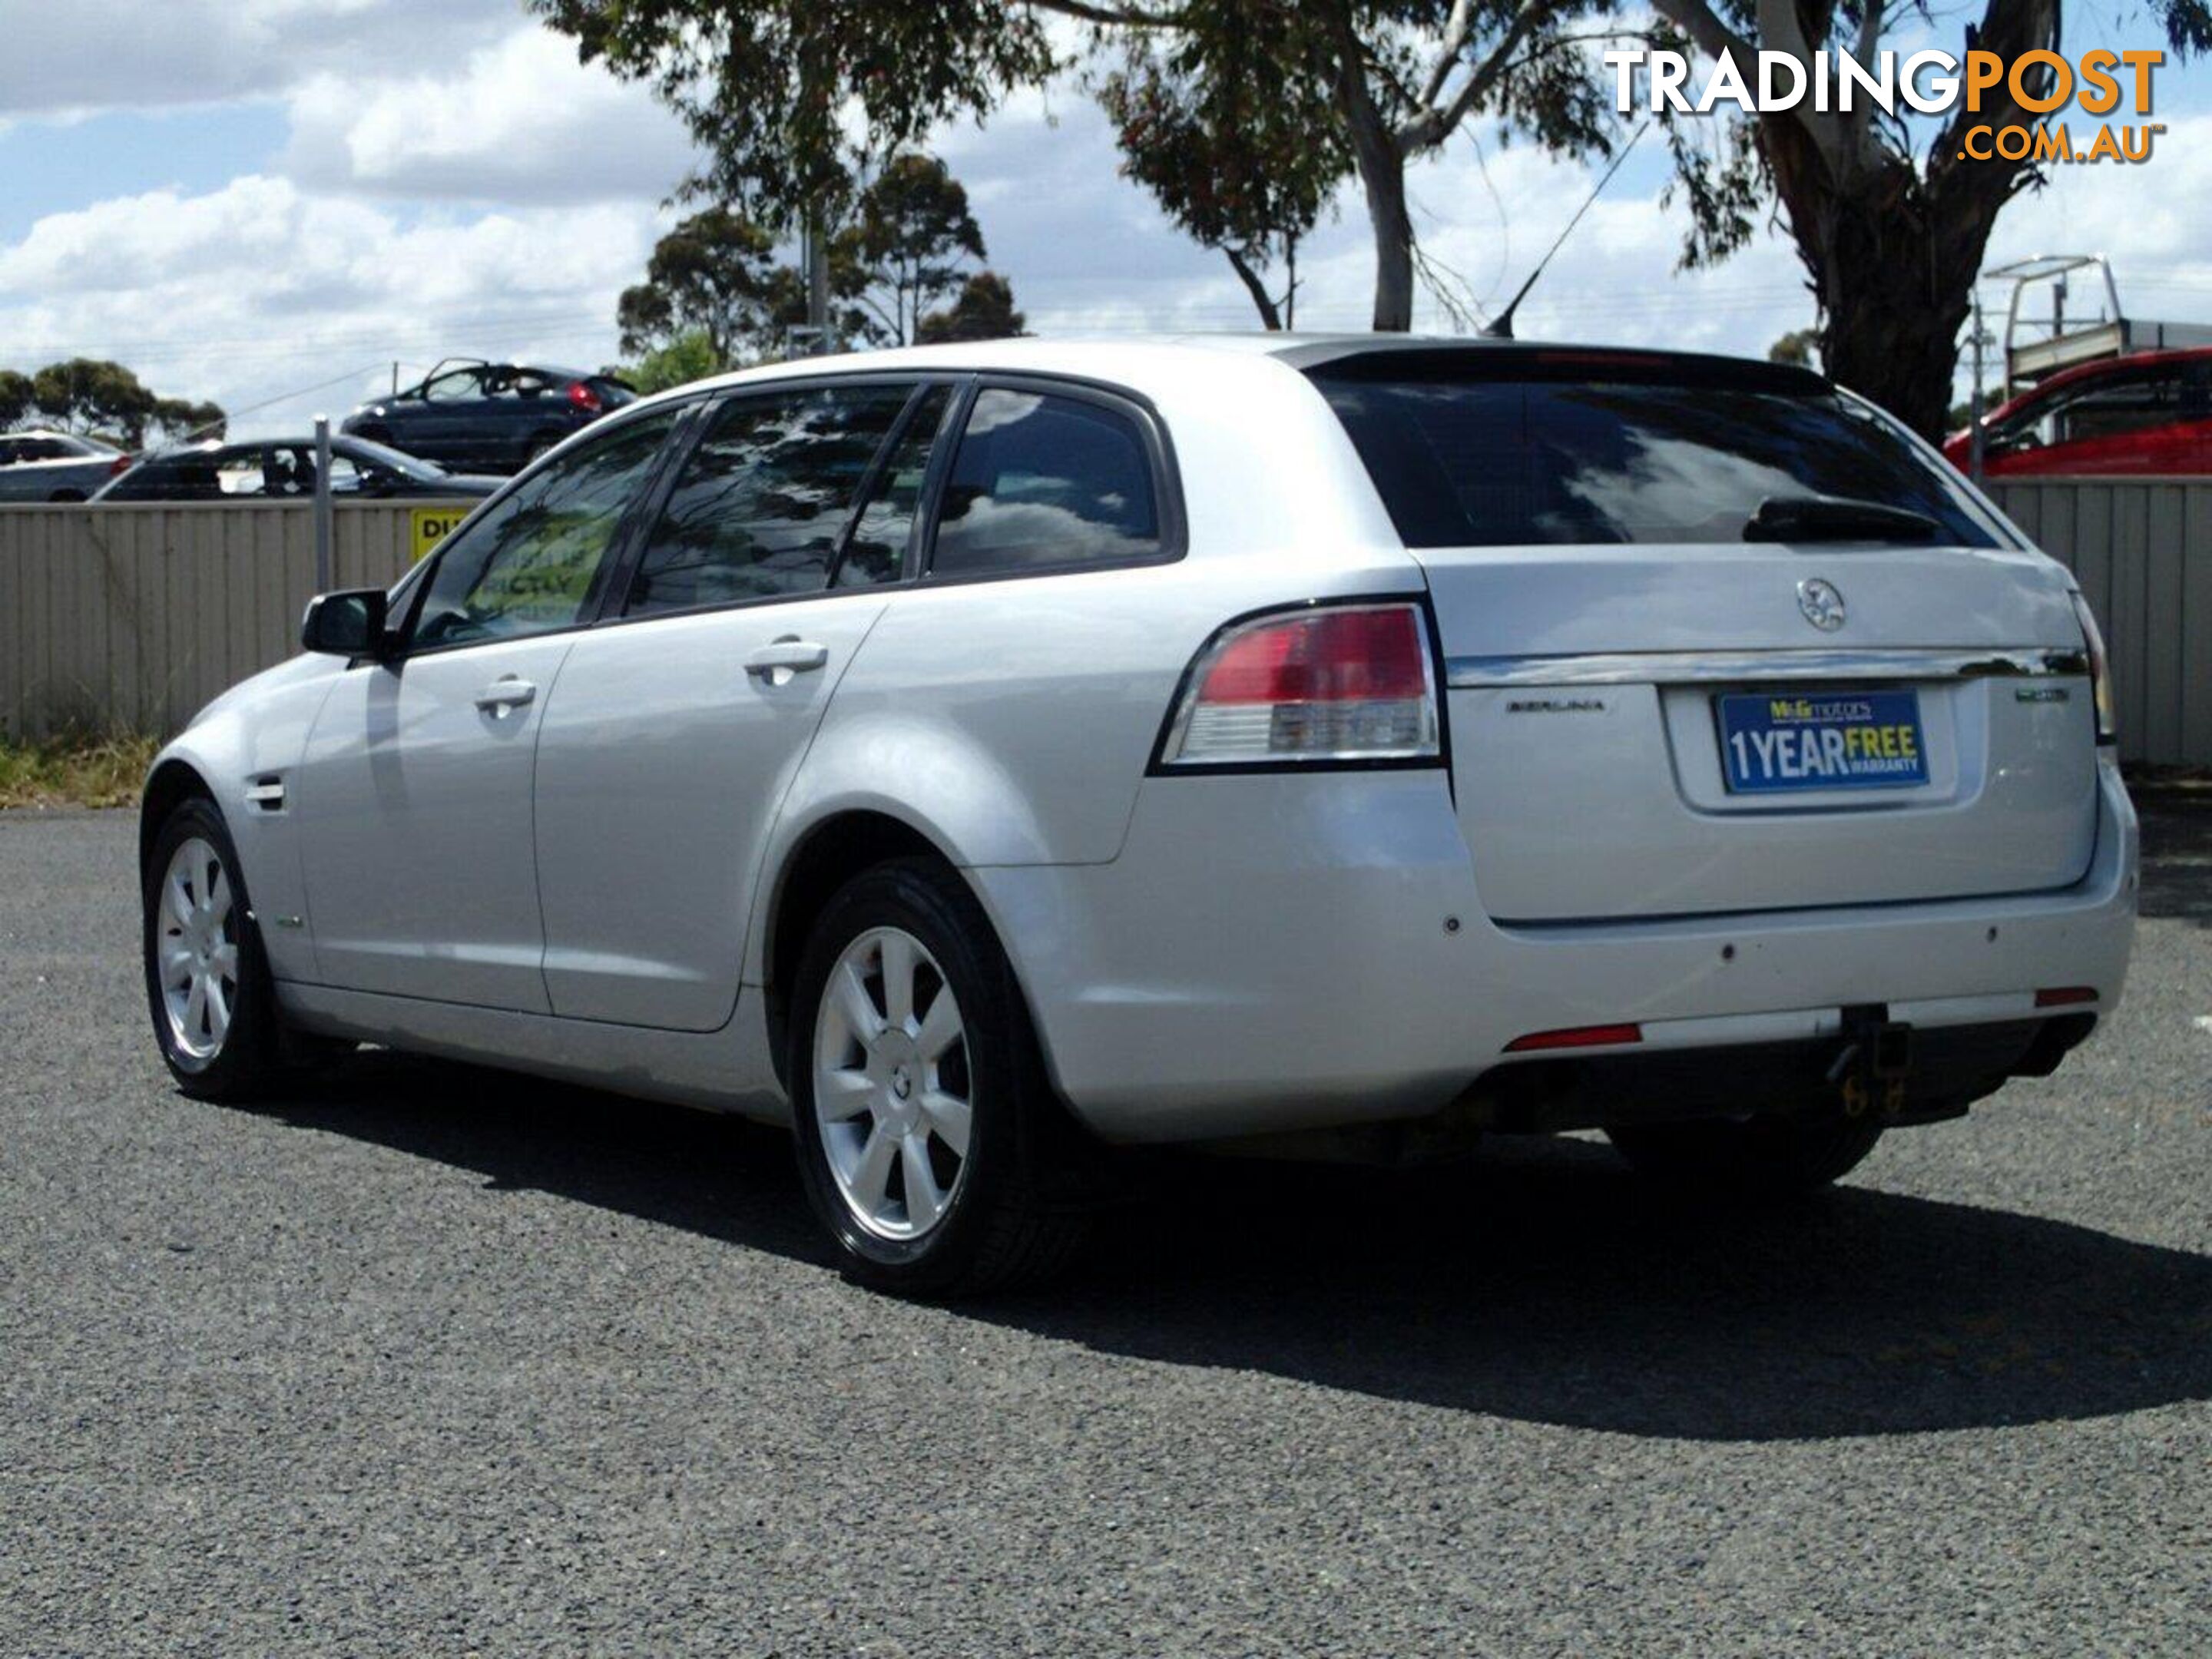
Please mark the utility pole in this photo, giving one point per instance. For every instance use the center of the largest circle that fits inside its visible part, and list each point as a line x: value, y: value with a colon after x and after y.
x: 817, y: 283
x: 1974, y: 411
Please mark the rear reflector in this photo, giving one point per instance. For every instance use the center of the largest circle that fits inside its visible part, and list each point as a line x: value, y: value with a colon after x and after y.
x: 1337, y: 683
x: 2064, y: 996
x: 581, y: 395
x: 1576, y: 1036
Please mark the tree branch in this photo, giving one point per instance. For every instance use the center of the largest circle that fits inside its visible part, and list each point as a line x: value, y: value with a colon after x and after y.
x: 1448, y: 50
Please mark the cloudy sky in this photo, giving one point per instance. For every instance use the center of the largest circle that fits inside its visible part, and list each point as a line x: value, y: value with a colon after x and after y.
x: 270, y: 202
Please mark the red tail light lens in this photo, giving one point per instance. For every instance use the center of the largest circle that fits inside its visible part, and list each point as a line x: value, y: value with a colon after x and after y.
x: 121, y: 464
x: 581, y: 395
x: 1340, y: 683
x: 2100, y: 673
x: 2064, y: 996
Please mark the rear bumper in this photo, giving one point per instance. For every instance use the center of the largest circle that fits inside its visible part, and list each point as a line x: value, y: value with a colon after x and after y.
x: 1276, y: 952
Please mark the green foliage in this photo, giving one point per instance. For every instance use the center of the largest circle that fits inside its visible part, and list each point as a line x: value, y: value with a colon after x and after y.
x: 983, y: 311
x: 1234, y: 136
x: 77, y: 770
x: 1800, y: 348
x: 716, y: 275
x: 792, y: 101
x: 911, y: 231
x: 689, y: 356
x: 91, y: 395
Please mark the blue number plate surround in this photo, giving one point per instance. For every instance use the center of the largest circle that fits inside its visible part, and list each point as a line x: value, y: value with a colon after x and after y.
x: 1781, y: 742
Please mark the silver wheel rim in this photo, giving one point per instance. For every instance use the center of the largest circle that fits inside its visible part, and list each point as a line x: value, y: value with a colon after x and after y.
x: 892, y: 1086
x: 196, y: 949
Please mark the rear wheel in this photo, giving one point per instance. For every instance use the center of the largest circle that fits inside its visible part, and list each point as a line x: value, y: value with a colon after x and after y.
x: 925, y: 1125
x: 207, y: 982
x: 1773, y: 1155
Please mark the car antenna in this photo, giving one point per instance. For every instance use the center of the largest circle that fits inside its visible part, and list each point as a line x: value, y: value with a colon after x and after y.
x: 1500, y: 327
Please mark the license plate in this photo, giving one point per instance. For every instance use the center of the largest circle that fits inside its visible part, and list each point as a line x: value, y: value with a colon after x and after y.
x: 1775, y: 742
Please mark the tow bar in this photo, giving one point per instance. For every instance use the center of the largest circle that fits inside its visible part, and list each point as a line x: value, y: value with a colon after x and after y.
x: 1875, y: 1060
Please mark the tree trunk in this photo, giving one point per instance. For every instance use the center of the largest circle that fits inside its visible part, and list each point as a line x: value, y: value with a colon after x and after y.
x: 1382, y: 163
x: 1270, y: 319
x: 1394, y: 246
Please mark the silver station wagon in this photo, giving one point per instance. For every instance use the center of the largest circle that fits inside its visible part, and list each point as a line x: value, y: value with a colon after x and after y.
x: 984, y: 757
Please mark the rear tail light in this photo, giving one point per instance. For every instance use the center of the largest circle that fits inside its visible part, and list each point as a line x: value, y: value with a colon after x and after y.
x: 581, y: 395
x: 1334, y: 684
x: 121, y: 464
x: 2100, y: 673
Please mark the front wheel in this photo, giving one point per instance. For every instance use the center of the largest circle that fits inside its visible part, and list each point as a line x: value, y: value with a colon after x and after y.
x: 207, y: 982
x: 924, y: 1120
x: 1770, y: 1156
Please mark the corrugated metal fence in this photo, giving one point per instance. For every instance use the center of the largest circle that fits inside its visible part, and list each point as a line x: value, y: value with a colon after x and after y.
x: 2142, y: 548
x: 134, y: 617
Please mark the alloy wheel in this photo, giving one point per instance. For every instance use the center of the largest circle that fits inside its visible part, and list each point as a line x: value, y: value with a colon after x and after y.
x: 892, y: 1086
x: 196, y: 950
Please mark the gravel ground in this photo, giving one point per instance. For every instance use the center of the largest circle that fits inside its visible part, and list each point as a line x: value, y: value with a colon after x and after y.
x: 429, y: 1361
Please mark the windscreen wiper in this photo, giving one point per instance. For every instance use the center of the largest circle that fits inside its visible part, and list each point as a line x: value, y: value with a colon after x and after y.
x: 1836, y: 518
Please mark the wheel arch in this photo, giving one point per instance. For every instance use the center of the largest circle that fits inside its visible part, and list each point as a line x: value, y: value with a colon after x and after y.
x: 820, y: 860
x: 172, y: 782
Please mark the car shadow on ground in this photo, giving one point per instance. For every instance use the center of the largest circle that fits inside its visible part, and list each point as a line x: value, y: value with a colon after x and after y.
x: 1538, y: 1282
x: 2177, y: 844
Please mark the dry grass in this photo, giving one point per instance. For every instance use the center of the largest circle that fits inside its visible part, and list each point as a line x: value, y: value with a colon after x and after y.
x: 74, y: 771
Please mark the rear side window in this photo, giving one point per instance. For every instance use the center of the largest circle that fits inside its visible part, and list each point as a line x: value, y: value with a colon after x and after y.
x: 1492, y: 462
x: 1045, y: 481
x: 765, y: 498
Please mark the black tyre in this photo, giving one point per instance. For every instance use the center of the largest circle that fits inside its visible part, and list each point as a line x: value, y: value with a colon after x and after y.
x: 207, y: 982
x: 929, y: 1139
x: 1771, y: 1155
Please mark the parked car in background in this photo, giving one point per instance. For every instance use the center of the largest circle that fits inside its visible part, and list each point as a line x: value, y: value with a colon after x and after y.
x: 41, y: 466
x: 2149, y: 414
x: 978, y: 757
x: 489, y: 417
x: 286, y: 467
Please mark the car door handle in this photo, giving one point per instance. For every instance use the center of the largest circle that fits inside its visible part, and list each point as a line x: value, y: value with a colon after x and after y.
x: 504, y: 695
x: 779, y: 660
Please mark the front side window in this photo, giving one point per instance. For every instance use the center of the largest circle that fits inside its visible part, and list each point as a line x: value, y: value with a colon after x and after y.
x: 454, y: 386
x: 1503, y: 460
x: 1044, y: 482
x: 530, y: 562
x: 763, y: 499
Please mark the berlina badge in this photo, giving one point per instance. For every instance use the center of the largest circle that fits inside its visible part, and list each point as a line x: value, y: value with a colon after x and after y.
x: 1823, y: 606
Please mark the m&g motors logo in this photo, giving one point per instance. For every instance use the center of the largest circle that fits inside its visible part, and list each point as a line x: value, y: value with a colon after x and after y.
x: 1930, y: 83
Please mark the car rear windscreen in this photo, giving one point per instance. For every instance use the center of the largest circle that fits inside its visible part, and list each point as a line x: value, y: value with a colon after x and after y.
x: 1567, y: 455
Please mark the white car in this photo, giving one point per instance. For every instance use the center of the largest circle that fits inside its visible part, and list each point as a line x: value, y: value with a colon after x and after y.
x: 981, y: 757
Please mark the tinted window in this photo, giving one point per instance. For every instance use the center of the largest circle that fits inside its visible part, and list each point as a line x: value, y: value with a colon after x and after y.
x: 1496, y: 462
x: 1042, y: 481
x: 529, y: 562
x: 877, y: 551
x: 763, y: 501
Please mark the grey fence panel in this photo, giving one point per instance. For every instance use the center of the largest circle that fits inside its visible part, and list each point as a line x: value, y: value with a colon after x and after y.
x: 2142, y: 548
x: 133, y: 616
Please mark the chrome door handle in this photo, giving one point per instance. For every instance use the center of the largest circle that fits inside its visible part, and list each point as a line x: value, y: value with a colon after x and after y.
x: 777, y: 661
x: 505, y: 695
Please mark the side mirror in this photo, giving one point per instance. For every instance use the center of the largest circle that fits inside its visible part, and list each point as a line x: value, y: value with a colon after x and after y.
x: 347, y: 624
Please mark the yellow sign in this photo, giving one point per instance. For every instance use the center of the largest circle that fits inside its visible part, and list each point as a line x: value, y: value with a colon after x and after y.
x: 432, y: 525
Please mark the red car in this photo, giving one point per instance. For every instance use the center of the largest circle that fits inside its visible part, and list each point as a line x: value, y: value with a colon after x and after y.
x: 2149, y: 413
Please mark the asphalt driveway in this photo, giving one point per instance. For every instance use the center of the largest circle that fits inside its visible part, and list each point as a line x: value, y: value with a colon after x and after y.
x: 426, y: 1360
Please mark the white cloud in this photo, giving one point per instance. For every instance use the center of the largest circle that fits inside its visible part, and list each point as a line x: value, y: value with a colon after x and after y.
x: 87, y: 55
x: 522, y: 121
x: 260, y: 288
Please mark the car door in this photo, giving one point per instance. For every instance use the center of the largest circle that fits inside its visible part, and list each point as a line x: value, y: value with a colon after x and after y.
x: 413, y: 797
x: 445, y: 422
x: 675, y: 730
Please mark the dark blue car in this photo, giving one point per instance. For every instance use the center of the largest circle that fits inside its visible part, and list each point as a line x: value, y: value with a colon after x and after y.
x: 488, y: 418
